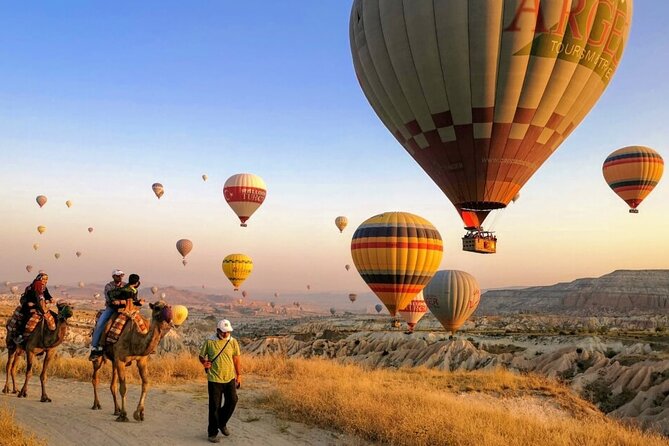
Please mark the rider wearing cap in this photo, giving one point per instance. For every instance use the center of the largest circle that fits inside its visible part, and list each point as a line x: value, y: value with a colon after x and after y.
x: 118, y: 282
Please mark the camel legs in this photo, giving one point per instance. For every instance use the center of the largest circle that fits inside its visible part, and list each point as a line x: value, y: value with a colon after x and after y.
x: 48, y: 356
x: 97, y: 364
x: 10, y: 369
x: 142, y: 368
x: 119, y: 367
x: 114, y: 391
x: 30, y: 360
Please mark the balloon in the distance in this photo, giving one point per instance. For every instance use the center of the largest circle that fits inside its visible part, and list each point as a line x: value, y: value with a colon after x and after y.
x: 237, y: 268
x: 41, y: 229
x: 163, y: 295
x: 81, y: 284
x: 347, y: 267
x: 158, y: 189
x: 154, y: 289
x: 396, y: 254
x: 204, y: 177
x: 14, y: 289
x: 179, y: 314
x: 78, y: 253
x: 378, y: 308
x: 272, y: 304
x: 68, y: 203
x: 35, y: 246
x: 632, y: 173
x: 7, y: 283
x: 57, y: 255
x: 481, y: 93
x: 244, y: 192
x: 352, y: 297
x: 96, y: 295
x: 332, y: 311
x: 90, y: 230
x: 29, y: 268
x: 244, y: 293
x: 414, y: 312
x: 41, y: 200
x: 184, y: 246
x: 308, y: 287
x: 341, y: 223
x: 452, y: 296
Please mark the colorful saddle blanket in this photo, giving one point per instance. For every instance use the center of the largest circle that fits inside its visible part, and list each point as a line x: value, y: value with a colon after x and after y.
x: 13, y: 322
x: 119, y: 323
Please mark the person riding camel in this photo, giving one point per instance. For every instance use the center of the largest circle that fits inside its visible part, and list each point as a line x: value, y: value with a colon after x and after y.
x: 116, y: 283
x: 33, y: 300
x: 119, y: 298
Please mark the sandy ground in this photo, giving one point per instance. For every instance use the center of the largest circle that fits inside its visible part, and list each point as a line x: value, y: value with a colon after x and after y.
x: 173, y: 417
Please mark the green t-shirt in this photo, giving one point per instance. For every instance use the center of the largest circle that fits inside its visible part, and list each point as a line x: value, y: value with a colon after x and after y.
x: 223, y: 369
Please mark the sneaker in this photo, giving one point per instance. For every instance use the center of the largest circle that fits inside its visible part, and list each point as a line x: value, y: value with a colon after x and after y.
x: 214, y: 439
x: 96, y: 352
x: 225, y: 431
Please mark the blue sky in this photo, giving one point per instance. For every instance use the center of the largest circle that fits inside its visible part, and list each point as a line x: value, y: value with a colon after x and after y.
x: 101, y: 99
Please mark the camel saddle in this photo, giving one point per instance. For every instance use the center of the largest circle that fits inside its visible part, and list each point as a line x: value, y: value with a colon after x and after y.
x: 115, y: 328
x: 33, y: 321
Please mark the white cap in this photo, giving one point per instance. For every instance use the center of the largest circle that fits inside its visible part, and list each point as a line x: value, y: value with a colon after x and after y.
x: 224, y: 326
x: 118, y: 272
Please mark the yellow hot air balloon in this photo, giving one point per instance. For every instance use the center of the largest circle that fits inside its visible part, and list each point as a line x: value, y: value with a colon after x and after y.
x: 396, y: 254
x: 481, y: 93
x: 154, y: 289
x: 414, y: 312
x: 204, y: 177
x: 90, y: 230
x: 237, y: 268
x: 341, y: 223
x: 244, y: 193
x: 68, y: 203
x: 633, y: 172
x: 41, y: 229
x: 452, y: 296
x: 41, y: 200
x: 158, y: 189
x: 179, y: 314
x: 184, y: 246
x: 35, y: 246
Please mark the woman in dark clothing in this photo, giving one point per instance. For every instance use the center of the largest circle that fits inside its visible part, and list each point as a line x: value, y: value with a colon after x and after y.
x: 33, y: 300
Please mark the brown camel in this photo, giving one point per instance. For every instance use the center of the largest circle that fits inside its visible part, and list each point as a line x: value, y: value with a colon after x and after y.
x: 41, y: 341
x: 132, y: 346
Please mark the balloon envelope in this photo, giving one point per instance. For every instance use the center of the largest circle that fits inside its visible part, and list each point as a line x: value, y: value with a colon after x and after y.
x: 184, y: 246
x: 332, y: 311
x: 396, y: 254
x: 244, y: 293
x: 41, y: 229
x: 90, y: 229
x: 414, y: 312
x: 81, y: 284
x: 347, y: 267
x: 14, y: 289
x: 154, y: 289
x: 29, y: 268
x: 341, y: 223
x: 352, y: 297
x: 158, y: 189
x: 378, y: 308
x: 633, y: 172
x: 452, y: 296
x: 35, y: 246
x: 68, y: 203
x: 179, y: 314
x: 41, y: 200
x: 204, y: 177
x: 78, y: 253
x: 244, y: 193
x: 237, y: 268
x: 163, y: 295
x: 57, y: 255
x: 481, y: 93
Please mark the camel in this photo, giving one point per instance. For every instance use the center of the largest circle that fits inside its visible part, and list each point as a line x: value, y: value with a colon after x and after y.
x: 132, y: 346
x: 41, y: 341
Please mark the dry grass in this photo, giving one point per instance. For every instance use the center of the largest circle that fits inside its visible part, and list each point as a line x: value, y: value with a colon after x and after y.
x: 410, y: 406
x: 13, y: 435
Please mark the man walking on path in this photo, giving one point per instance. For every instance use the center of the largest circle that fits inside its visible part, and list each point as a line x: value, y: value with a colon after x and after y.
x: 220, y: 356
x: 118, y: 282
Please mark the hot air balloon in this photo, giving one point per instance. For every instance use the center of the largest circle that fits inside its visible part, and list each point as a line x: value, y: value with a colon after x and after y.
x: 396, y: 254
x: 78, y: 253
x: 90, y: 230
x: 184, y: 246
x: 96, y: 295
x: 413, y: 312
x: 240, y: 301
x: 57, y: 255
x: 163, y: 295
x: 184, y: 262
x: 276, y: 295
x: 272, y: 304
x: 41, y: 229
x: 244, y: 193
x: 481, y: 93
x: 378, y: 308
x: 179, y: 314
x: 516, y: 197
x: 158, y: 189
x: 154, y: 289
x: 332, y: 311
x: 35, y: 246
x: 29, y: 268
x: 81, y: 284
x: 347, y: 267
x: 352, y: 297
x: 8, y: 283
x: 68, y: 203
x: 633, y: 172
x: 452, y: 296
x: 14, y: 289
x: 341, y: 223
x: 204, y: 177
x: 41, y: 200
x: 237, y: 268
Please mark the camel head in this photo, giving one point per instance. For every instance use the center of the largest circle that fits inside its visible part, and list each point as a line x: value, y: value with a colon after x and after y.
x: 64, y: 311
x: 162, y: 314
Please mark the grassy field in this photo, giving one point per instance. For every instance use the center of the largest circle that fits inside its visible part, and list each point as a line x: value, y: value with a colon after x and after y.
x: 13, y: 435
x: 409, y: 406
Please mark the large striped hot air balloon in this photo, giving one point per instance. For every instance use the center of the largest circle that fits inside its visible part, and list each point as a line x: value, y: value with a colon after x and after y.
x: 237, y: 268
x: 396, y: 253
x: 414, y: 312
x: 452, y: 296
x: 341, y: 222
x: 480, y: 92
x: 633, y: 172
x: 244, y: 193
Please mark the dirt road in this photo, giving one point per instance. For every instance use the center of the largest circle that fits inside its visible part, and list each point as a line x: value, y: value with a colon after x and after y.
x: 173, y: 417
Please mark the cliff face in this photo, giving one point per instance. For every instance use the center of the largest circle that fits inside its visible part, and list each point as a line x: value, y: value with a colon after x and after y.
x: 617, y: 292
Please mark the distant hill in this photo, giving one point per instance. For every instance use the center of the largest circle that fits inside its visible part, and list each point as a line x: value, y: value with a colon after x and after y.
x: 621, y: 291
